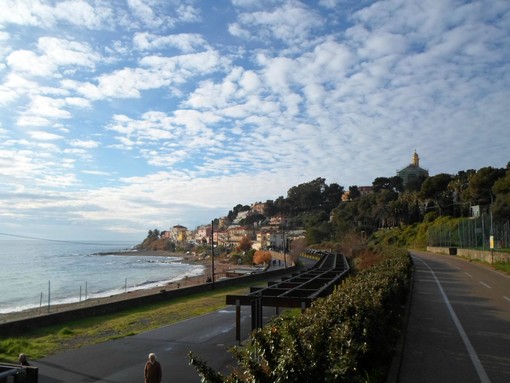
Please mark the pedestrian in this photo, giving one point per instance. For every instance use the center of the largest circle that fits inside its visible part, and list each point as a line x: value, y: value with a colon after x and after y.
x: 22, y: 359
x: 152, y: 371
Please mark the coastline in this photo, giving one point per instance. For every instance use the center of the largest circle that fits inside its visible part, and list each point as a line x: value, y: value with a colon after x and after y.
x: 220, y: 268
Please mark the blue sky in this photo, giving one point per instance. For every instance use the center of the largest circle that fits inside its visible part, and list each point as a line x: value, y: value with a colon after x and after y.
x: 117, y: 117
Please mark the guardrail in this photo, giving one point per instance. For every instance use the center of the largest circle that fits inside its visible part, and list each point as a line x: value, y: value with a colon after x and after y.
x: 19, y: 374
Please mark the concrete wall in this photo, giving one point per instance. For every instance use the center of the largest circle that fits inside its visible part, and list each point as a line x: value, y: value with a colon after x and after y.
x: 50, y: 319
x: 485, y: 256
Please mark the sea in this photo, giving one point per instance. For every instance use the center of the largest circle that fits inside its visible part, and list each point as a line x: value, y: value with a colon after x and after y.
x: 40, y: 273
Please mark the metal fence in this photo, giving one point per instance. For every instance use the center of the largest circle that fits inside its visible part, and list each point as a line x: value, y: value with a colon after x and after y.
x: 471, y: 233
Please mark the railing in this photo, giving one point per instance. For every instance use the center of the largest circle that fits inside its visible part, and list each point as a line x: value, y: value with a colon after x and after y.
x: 19, y: 374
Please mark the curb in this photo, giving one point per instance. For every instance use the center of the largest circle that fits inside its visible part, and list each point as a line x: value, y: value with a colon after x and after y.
x: 396, y: 363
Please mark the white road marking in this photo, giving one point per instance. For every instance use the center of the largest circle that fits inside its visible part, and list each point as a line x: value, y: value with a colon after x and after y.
x: 484, y: 378
x: 485, y: 285
x: 508, y: 299
x: 469, y: 275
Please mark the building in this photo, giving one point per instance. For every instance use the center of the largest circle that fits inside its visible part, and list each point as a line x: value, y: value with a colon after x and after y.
x: 258, y: 208
x: 178, y: 233
x: 203, y: 234
x: 413, y: 172
x: 363, y: 190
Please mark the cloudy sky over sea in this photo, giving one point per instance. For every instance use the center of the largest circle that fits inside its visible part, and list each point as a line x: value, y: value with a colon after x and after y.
x: 125, y: 115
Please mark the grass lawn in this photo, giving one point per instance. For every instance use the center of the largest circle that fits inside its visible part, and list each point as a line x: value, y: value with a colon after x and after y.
x: 50, y: 340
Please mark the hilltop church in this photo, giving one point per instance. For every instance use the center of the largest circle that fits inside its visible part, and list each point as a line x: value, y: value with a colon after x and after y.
x: 412, y: 172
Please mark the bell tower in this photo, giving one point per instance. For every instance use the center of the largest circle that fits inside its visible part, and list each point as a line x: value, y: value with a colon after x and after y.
x: 416, y: 159
x: 413, y: 172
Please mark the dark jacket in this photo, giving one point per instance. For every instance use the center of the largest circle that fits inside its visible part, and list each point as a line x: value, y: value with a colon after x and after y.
x: 152, y: 372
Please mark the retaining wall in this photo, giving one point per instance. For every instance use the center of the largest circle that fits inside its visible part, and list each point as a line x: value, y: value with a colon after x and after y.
x: 485, y: 256
x: 50, y: 319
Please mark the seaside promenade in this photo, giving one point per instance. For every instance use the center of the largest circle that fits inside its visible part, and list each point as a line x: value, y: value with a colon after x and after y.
x: 458, y: 330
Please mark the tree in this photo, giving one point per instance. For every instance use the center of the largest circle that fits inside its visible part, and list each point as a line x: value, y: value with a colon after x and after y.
x: 481, y: 183
x: 385, y: 183
x: 232, y: 214
x: 261, y: 257
x: 435, y: 189
x: 501, y: 205
x: 331, y: 197
x: 307, y: 196
x: 251, y: 219
x: 270, y: 209
x: 354, y: 192
x: 245, y: 244
x: 319, y: 233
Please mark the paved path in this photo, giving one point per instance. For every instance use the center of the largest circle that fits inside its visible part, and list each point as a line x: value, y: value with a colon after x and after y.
x: 123, y: 360
x: 459, y: 324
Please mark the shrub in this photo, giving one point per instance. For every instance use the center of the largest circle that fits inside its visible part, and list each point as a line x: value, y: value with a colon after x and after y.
x: 341, y: 338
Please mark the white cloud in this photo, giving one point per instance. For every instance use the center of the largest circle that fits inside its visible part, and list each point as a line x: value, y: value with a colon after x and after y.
x: 28, y: 62
x: 26, y: 120
x: 95, y: 172
x: 291, y: 23
x: 188, y: 13
x: 82, y: 13
x: 79, y: 102
x: 156, y: 72
x: 44, y: 136
x: 84, y: 144
x: 185, y: 42
x: 43, y: 109
x: 235, y: 29
x: 39, y: 13
x: 143, y: 11
x: 62, y: 52
x: 55, y: 53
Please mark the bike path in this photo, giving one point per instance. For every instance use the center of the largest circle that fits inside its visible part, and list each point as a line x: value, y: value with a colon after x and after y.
x: 459, y: 323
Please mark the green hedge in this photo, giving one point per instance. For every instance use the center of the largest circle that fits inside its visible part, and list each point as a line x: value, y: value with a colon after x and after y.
x: 345, y: 337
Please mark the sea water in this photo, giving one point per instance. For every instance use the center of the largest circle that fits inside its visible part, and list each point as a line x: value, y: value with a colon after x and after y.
x: 35, y: 273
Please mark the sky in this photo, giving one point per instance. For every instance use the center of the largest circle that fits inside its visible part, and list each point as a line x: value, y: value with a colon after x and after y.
x: 121, y: 116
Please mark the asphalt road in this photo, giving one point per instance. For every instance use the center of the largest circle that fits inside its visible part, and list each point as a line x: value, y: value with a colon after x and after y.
x: 123, y: 360
x: 459, y: 323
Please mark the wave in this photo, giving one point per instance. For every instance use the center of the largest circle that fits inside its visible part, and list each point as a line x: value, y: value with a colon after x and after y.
x: 12, y: 307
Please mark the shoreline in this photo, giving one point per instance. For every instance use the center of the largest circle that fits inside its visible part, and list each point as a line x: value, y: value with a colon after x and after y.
x: 220, y: 268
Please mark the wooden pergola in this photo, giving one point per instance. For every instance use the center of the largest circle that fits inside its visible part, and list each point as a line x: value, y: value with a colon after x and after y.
x: 296, y: 291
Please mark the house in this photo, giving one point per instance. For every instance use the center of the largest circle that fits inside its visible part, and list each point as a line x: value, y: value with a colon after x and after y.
x: 178, y: 233
x: 240, y: 216
x: 203, y: 234
x: 263, y: 239
x: 258, y: 208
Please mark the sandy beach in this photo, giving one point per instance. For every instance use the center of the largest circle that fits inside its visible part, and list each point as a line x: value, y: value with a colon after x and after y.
x: 220, y: 268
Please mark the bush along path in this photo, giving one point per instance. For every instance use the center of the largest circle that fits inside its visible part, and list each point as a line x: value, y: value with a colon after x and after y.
x: 346, y: 337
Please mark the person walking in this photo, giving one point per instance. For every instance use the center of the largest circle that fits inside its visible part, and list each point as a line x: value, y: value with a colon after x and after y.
x: 152, y: 370
x: 23, y: 360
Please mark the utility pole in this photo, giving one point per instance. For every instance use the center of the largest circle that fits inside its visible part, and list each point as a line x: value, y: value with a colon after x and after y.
x: 284, y: 245
x: 212, y: 253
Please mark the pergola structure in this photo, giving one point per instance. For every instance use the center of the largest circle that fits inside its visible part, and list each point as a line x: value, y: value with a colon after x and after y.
x: 296, y: 291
